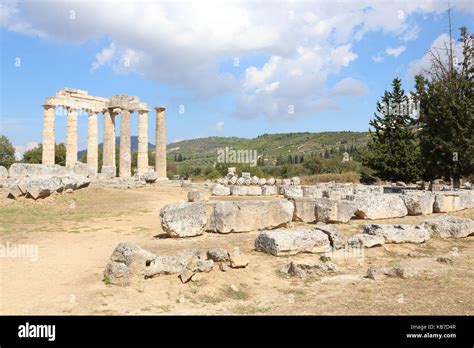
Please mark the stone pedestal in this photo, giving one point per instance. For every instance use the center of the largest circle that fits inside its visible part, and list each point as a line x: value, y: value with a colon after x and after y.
x: 71, y: 137
x: 160, y: 151
x: 142, y: 160
x: 109, y: 140
x: 92, y: 143
x: 125, y: 165
x: 48, y: 134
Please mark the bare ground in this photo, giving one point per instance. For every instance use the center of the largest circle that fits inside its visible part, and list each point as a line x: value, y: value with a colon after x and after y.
x: 76, y: 234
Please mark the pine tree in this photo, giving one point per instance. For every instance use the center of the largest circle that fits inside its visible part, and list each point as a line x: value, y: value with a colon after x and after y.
x: 393, y: 151
x: 446, y: 120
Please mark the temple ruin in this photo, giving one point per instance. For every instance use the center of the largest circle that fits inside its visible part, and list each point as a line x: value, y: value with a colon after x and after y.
x: 78, y: 102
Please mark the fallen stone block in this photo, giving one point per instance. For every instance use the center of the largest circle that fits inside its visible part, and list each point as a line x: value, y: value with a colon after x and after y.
x: 239, y: 261
x: 327, y: 210
x: 312, y: 191
x: 450, y: 227
x: 21, y: 170
x: 418, y: 203
x: 365, y: 240
x: 220, y: 190
x: 336, y: 238
x: 184, y: 219
x: 239, y: 190
x: 398, y: 233
x: 218, y: 255
x: 304, y: 209
x: 282, y: 242
x: 244, y: 216
x: 254, y: 191
x: 3, y: 172
x: 380, y: 206
x: 269, y: 190
x: 446, y: 202
x: 166, y: 264
x: 292, y: 191
x: 313, y: 268
x: 194, y: 196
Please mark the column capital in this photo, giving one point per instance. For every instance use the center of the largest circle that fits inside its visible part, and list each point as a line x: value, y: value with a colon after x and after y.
x: 159, y: 108
x: 141, y: 110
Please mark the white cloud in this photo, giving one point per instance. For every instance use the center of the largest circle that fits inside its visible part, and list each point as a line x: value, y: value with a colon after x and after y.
x: 411, y: 34
x: 103, y: 57
x: 349, y: 87
x: 378, y: 58
x: 395, y: 51
x: 21, y: 149
x: 424, y: 63
x: 220, y: 126
x: 183, y: 43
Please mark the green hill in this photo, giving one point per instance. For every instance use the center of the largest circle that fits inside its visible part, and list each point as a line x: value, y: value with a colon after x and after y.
x: 269, y: 146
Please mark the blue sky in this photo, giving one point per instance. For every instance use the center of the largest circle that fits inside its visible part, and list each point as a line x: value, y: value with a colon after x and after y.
x: 237, y: 67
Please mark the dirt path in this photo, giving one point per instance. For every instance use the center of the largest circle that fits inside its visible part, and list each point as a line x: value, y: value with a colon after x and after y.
x: 76, y: 239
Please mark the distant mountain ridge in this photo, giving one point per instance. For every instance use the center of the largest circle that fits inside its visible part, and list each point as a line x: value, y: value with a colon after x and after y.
x: 204, y: 150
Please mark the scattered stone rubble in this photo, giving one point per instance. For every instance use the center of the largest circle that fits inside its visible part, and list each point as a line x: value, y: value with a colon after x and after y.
x: 130, y: 263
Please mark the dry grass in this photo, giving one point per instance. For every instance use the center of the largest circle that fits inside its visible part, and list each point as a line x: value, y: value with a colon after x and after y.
x: 319, y: 178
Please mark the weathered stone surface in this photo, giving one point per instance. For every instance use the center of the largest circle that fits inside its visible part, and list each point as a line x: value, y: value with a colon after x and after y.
x: 218, y: 255
x: 380, y: 206
x: 173, y: 264
x: 117, y: 273
x: 243, y: 216
x: 194, y: 196
x: 292, y: 241
x: 21, y: 170
x: 365, y: 240
x: 286, y: 182
x: 327, y: 210
x: 466, y: 199
x: 307, y: 268
x: 255, y: 180
x: 233, y: 180
x: 240, y: 181
x: 262, y: 181
x: 401, y: 271
x: 254, y: 191
x: 239, y: 190
x: 107, y: 172
x: 184, y: 219
x: 204, y: 265
x: 3, y: 172
x: 269, y: 190
x: 149, y: 177
x: 186, y: 275
x: 295, y: 180
x: 446, y: 202
x: 239, y: 261
x: 312, y: 191
x: 220, y: 190
x: 127, y: 260
x: 398, y: 233
x: 14, y: 191
x: 304, y: 209
x: 419, y: 203
x: 270, y: 181
x: 336, y: 238
x: 450, y: 226
x: 293, y: 191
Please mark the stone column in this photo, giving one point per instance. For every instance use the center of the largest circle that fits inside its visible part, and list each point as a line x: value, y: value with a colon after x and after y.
x: 92, y: 142
x: 142, y: 160
x: 48, y: 134
x: 71, y: 137
x: 160, y: 150
x: 108, y: 160
x: 125, y: 165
